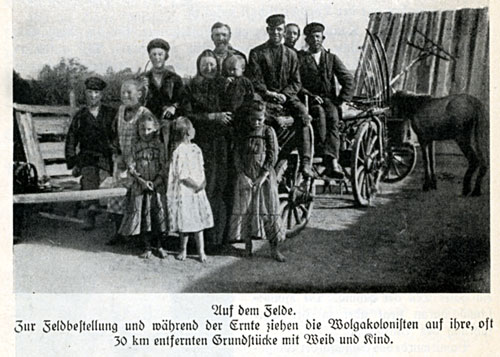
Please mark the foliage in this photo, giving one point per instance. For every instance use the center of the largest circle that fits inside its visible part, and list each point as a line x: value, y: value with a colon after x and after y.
x: 54, y: 83
x: 57, y: 82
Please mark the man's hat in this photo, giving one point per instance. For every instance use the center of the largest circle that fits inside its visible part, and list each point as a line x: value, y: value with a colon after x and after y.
x: 95, y: 83
x: 158, y: 43
x: 275, y: 20
x: 313, y: 27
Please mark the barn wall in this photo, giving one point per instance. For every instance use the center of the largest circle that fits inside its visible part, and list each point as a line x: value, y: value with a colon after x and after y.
x: 463, y: 33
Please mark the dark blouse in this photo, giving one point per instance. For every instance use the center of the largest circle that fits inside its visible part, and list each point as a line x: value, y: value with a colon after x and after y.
x: 170, y: 92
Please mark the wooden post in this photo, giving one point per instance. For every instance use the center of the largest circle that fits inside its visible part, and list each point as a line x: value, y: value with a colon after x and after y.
x: 30, y: 142
x: 69, y: 196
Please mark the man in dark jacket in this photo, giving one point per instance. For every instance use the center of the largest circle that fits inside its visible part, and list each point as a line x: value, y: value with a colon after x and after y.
x: 221, y: 35
x: 318, y: 70
x: 273, y: 69
x: 88, y: 148
x: 292, y: 34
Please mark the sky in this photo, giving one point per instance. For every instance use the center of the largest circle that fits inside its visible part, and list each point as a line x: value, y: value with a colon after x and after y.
x: 114, y: 33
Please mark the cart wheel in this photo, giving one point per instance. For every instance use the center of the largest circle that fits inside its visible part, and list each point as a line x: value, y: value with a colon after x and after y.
x: 400, y: 162
x: 296, y: 207
x: 366, y: 162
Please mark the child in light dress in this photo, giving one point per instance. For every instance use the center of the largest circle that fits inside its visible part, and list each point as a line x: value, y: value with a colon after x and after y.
x: 256, y: 208
x: 189, y: 211
x: 147, y: 165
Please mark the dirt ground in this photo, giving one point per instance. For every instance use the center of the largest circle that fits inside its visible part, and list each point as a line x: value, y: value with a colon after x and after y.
x: 409, y: 241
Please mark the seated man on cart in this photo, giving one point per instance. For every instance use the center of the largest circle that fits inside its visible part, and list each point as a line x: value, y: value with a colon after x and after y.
x: 318, y: 70
x: 273, y: 69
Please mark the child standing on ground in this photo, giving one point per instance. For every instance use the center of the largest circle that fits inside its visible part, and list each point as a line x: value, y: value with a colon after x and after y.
x: 188, y: 207
x: 147, y: 165
x: 124, y: 133
x: 88, y: 147
x: 256, y: 208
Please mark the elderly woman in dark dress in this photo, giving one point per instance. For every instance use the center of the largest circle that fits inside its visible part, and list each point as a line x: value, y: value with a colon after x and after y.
x: 212, y: 136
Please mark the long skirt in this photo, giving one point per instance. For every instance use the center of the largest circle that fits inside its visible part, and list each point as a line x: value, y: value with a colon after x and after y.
x: 144, y: 213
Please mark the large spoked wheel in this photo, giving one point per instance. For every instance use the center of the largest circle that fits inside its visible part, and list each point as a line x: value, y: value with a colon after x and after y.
x: 366, y: 163
x: 296, y: 199
x: 400, y: 162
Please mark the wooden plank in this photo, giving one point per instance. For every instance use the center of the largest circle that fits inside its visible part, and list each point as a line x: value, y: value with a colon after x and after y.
x: 434, y: 34
x: 30, y: 142
x: 423, y: 70
x: 405, y: 59
x: 385, y: 26
x: 53, y: 150
x: 391, y: 47
x: 479, y: 74
x: 464, y: 26
x: 360, y: 74
x: 68, y: 196
x: 443, y: 79
x: 51, y: 125
x: 419, y: 69
x: 43, y: 109
x: 57, y: 170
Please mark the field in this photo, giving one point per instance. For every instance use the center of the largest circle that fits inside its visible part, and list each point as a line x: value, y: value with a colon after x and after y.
x: 409, y: 241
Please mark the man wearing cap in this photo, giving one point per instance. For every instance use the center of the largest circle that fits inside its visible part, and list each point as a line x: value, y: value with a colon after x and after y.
x: 165, y: 90
x: 88, y: 148
x: 221, y: 35
x: 318, y: 70
x: 292, y: 34
x: 274, y: 71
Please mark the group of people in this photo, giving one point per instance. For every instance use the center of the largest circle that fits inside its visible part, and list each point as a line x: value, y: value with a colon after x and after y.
x: 198, y: 158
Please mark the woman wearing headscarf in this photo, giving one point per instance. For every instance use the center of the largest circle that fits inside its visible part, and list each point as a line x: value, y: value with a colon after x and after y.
x: 212, y: 135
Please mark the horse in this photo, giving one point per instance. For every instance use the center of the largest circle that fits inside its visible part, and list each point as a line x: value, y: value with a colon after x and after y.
x: 458, y: 117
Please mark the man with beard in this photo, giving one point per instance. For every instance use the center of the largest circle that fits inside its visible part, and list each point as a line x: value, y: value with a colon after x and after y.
x: 274, y: 70
x: 318, y: 70
x: 221, y: 35
x: 292, y: 34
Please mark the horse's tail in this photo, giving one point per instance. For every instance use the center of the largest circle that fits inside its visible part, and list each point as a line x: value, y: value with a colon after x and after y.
x: 481, y: 133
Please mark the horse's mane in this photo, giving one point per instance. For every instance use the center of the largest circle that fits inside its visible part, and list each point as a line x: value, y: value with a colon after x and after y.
x: 408, y: 102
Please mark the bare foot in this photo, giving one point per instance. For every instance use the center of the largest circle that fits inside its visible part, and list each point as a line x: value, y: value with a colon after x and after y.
x: 162, y: 254
x: 146, y: 255
x: 203, y: 258
x: 181, y: 256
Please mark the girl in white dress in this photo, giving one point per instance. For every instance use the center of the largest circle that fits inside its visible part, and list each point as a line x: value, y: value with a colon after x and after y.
x: 188, y: 207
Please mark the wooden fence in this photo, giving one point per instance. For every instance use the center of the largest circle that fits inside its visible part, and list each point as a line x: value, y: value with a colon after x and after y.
x: 43, y: 132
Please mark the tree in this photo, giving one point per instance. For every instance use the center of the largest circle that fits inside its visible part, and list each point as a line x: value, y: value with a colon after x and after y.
x: 21, y: 89
x: 56, y: 82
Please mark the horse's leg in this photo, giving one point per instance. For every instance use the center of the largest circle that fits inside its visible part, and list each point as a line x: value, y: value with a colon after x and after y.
x: 477, y: 187
x: 468, y: 151
x: 432, y: 165
x: 425, y: 156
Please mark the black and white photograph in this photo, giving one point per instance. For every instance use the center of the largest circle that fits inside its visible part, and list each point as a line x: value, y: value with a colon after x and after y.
x: 263, y: 148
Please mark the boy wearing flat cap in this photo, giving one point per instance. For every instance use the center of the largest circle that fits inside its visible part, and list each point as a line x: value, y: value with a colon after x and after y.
x: 165, y: 89
x: 88, y: 145
x: 318, y: 70
x: 274, y: 71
